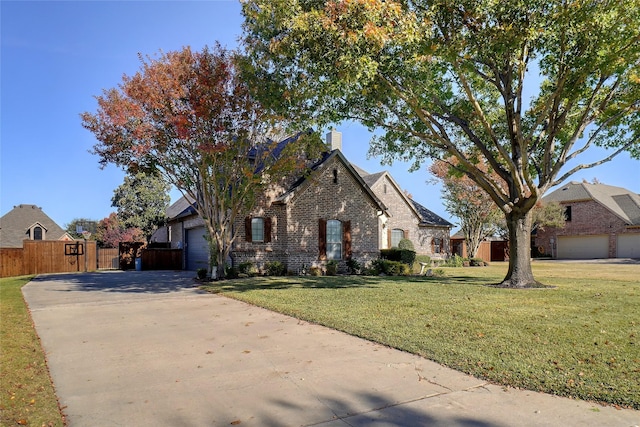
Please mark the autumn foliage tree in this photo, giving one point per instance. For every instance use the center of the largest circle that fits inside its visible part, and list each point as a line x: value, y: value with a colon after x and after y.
x: 193, y: 119
x: 111, y: 231
x: 478, y: 214
x: 525, y: 87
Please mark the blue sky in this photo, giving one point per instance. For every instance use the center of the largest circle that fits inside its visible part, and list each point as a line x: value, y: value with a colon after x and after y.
x: 56, y: 56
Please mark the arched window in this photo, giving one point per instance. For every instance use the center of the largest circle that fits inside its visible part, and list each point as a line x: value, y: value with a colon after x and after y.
x: 37, y: 233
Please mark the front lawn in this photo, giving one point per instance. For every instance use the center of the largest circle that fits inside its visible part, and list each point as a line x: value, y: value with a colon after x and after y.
x: 579, y: 339
x: 27, y: 396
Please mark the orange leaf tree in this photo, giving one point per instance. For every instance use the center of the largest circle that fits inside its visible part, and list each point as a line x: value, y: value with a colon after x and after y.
x: 192, y: 118
x: 463, y: 199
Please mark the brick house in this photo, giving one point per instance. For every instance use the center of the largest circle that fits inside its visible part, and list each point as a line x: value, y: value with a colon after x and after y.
x: 428, y: 232
x: 602, y: 221
x: 336, y: 212
x: 28, y: 222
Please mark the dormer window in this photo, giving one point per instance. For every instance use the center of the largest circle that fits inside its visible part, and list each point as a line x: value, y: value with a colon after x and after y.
x: 37, y: 231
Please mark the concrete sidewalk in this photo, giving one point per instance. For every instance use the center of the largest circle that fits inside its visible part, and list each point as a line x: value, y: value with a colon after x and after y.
x: 149, y: 349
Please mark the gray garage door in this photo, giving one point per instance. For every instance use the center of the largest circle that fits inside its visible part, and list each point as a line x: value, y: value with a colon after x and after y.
x: 629, y: 245
x: 197, y: 249
x: 583, y: 247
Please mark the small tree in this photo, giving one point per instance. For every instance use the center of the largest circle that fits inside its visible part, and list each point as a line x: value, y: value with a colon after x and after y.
x: 193, y: 118
x: 110, y: 232
x: 478, y: 214
x: 142, y: 202
x: 76, y: 227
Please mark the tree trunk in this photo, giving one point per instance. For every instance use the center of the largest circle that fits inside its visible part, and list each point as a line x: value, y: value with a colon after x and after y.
x: 520, y: 274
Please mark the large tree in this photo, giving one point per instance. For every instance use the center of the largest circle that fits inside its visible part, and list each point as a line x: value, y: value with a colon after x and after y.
x: 192, y: 118
x: 142, y: 201
x: 110, y: 232
x: 526, y: 85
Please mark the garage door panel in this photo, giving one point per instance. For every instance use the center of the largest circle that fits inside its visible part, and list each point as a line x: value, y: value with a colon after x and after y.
x: 197, y: 249
x: 583, y: 247
x: 628, y: 246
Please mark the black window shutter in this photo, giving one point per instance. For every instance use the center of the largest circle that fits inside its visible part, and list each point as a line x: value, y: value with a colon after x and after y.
x: 247, y: 229
x: 267, y: 230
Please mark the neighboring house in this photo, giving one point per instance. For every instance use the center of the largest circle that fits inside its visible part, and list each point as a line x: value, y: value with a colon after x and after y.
x: 602, y: 221
x: 329, y: 214
x: 28, y: 222
x: 428, y: 232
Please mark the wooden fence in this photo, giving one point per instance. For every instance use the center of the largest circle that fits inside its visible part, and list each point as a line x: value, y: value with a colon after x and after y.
x: 108, y: 259
x: 162, y: 259
x: 48, y: 256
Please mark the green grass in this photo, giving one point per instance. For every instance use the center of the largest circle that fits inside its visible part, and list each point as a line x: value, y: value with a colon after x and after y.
x: 578, y: 339
x: 27, y: 396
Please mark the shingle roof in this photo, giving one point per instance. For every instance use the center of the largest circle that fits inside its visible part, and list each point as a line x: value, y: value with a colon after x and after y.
x: 181, y: 208
x: 622, y: 202
x: 429, y: 218
x: 14, y: 225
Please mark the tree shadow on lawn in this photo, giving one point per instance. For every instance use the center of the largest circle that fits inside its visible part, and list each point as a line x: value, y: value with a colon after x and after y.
x: 334, y: 282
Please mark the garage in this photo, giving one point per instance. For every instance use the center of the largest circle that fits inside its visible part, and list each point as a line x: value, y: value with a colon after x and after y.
x: 583, y: 247
x: 197, y: 249
x: 629, y: 245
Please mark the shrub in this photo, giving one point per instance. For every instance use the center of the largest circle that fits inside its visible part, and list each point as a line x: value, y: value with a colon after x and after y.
x: 405, y: 256
x: 201, y: 273
x: 246, y: 268
x: 315, y: 271
x: 454, y: 261
x: 406, y: 244
x: 353, y: 266
x: 390, y: 268
x: 230, y: 272
x: 332, y: 268
x: 275, y: 268
x: 476, y: 262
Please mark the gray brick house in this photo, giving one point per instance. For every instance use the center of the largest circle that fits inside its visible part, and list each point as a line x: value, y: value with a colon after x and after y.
x: 336, y: 212
x: 602, y: 221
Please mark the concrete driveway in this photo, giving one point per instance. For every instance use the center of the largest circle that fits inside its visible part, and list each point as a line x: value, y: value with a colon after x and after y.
x: 149, y: 349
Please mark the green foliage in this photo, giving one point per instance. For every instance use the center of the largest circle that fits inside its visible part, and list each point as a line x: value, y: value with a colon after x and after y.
x: 230, y: 272
x: 405, y: 256
x: 246, y: 268
x: 406, y: 244
x: 389, y: 268
x: 454, y: 261
x: 332, y: 268
x: 476, y: 262
x: 275, y: 268
x: 201, y: 273
x: 142, y: 202
x: 353, y: 266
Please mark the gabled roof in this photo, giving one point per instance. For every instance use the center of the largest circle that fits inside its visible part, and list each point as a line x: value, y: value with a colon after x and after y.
x: 425, y: 216
x: 14, y: 226
x: 183, y: 207
x: 428, y: 218
x: 303, y: 181
x: 620, y: 201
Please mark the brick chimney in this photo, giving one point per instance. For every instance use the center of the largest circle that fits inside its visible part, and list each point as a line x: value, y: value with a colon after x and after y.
x: 334, y: 140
